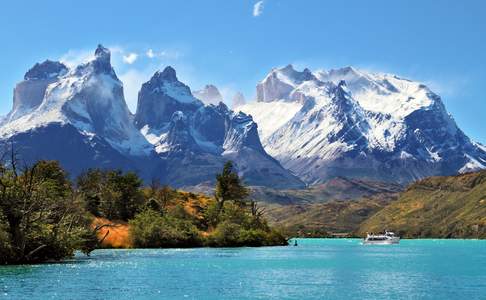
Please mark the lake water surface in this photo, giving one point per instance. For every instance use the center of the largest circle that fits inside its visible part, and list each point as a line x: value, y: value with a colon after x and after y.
x: 316, y: 269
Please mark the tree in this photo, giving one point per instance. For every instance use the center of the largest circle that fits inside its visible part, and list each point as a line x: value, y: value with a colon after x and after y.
x: 229, y: 188
x: 41, y: 215
x: 158, y: 197
x: 90, y: 185
x: 129, y: 198
x: 111, y: 193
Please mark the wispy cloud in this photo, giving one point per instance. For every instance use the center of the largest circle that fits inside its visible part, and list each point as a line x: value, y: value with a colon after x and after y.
x: 130, y: 58
x: 151, y: 53
x: 258, y: 8
x: 134, y: 75
x: 75, y: 57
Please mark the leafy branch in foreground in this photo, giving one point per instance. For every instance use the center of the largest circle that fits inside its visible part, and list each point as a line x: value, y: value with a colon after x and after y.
x: 40, y: 214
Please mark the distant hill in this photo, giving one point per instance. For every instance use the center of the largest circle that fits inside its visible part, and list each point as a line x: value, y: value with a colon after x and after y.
x: 337, y: 206
x: 441, y: 207
x: 338, y: 188
x: 334, y: 218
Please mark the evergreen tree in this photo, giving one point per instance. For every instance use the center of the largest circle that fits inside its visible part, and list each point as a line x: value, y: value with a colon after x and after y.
x: 229, y: 188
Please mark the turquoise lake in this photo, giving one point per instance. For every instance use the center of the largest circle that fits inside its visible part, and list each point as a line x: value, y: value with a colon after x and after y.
x: 316, y: 269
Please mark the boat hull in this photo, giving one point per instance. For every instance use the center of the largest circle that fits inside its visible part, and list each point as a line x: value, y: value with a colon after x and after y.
x: 392, y: 241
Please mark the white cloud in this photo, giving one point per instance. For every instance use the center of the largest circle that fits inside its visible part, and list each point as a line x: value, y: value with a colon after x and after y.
x: 258, y: 8
x: 130, y: 58
x: 75, y: 57
x: 134, y: 75
x: 162, y: 54
x: 150, y: 53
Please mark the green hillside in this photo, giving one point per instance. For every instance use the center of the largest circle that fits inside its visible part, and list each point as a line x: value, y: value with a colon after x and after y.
x: 441, y: 207
x: 334, y: 208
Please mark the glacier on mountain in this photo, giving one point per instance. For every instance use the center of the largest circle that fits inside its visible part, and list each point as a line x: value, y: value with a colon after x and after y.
x: 88, y: 97
x: 187, y: 132
x: 209, y: 94
x: 305, y: 126
x: 353, y: 123
x: 79, y: 116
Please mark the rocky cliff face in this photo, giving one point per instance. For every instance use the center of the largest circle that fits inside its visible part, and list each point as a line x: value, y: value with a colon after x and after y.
x: 189, y: 134
x: 29, y: 93
x: 352, y: 123
x: 79, y: 117
x: 238, y: 100
x: 319, y: 125
x: 209, y: 95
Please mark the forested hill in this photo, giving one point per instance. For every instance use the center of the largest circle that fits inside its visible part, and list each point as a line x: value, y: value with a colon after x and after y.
x: 439, y: 207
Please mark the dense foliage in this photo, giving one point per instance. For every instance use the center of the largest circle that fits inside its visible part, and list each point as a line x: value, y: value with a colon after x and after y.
x: 111, y: 194
x: 227, y: 220
x: 43, y: 216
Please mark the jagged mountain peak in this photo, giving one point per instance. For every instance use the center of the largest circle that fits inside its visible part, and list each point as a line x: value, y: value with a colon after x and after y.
x: 209, y: 94
x: 102, y: 53
x: 79, y: 117
x: 168, y: 74
x: 89, y: 98
x: 160, y: 97
x: 203, y: 136
x: 290, y: 75
x: 29, y: 93
x: 280, y: 82
x: 46, y: 70
x: 166, y: 82
x: 355, y: 123
x: 102, y: 60
x: 238, y: 100
x: 211, y: 87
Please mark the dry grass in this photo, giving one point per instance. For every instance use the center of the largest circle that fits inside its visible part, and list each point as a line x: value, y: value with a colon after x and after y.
x: 445, y: 207
x: 118, y: 233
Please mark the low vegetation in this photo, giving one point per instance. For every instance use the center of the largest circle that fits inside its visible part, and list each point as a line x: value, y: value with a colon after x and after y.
x: 335, y: 208
x: 179, y: 219
x: 44, y: 216
x: 436, y: 207
x: 334, y: 218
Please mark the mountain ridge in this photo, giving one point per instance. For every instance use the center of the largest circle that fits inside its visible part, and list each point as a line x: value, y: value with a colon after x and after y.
x: 352, y: 123
x: 173, y: 137
x: 305, y: 128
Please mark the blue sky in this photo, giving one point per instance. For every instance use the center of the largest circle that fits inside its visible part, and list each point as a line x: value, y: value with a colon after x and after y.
x: 233, y: 43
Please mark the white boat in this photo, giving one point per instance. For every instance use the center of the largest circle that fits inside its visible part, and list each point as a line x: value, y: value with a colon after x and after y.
x: 388, y: 238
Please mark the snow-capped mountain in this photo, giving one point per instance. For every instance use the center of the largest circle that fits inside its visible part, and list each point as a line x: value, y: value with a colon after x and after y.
x: 319, y: 125
x: 352, y: 123
x: 88, y: 97
x: 209, y: 94
x: 79, y: 116
x: 29, y: 93
x: 191, y: 135
x: 238, y: 100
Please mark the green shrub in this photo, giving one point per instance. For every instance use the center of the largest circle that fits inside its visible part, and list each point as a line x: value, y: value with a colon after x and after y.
x: 226, y: 234
x: 229, y: 234
x: 149, y: 229
x: 6, y: 251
